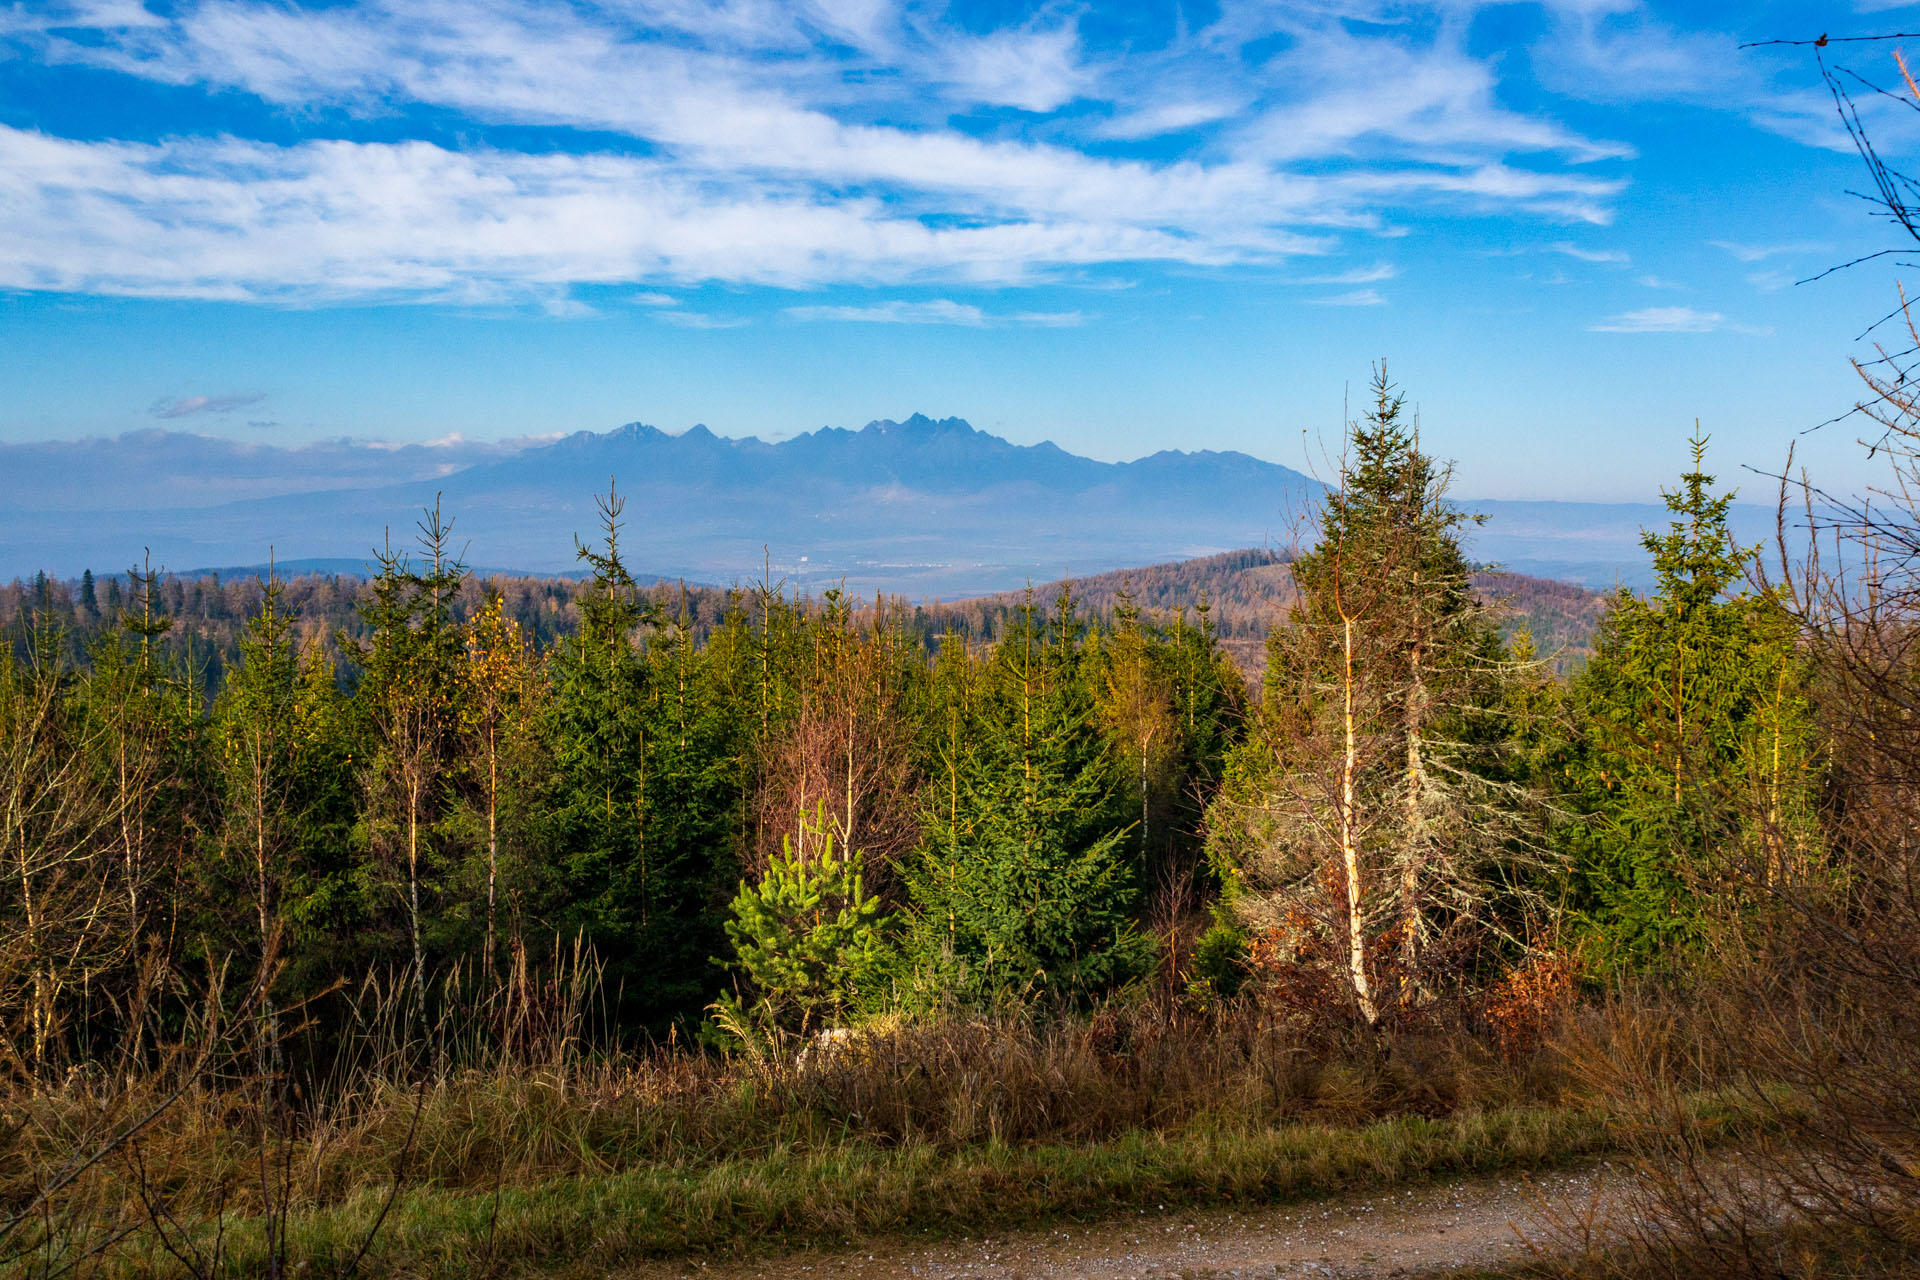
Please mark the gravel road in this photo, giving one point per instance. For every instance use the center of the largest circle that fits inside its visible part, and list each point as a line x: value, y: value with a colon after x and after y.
x: 1434, y: 1227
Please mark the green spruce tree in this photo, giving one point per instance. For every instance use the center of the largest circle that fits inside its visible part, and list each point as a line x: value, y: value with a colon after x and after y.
x: 1025, y: 884
x: 651, y: 748
x: 409, y: 697
x: 1693, y: 741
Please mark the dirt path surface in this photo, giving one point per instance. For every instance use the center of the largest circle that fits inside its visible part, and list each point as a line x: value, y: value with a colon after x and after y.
x: 1430, y: 1228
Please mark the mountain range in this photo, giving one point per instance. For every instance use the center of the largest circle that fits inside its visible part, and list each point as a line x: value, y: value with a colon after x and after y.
x: 921, y: 507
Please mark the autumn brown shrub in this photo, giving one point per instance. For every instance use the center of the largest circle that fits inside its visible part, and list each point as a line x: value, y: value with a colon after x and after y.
x: 1529, y: 1002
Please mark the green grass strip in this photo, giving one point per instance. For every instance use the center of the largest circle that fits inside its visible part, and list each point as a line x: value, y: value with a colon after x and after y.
x: 786, y: 1201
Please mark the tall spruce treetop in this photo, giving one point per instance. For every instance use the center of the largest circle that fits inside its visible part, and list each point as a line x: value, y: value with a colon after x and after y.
x: 1697, y: 558
x: 1693, y: 739
x: 610, y: 608
x: 146, y: 620
x: 1389, y: 517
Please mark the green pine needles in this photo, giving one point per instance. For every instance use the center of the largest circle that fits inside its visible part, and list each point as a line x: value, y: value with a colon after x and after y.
x: 1693, y: 761
x: 807, y: 936
x: 1025, y: 881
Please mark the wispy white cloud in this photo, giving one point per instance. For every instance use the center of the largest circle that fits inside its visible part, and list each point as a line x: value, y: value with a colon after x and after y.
x: 561, y: 306
x: 1152, y: 120
x: 1613, y: 256
x: 1660, y: 320
x: 935, y: 311
x: 1761, y: 252
x: 703, y: 320
x: 1035, y: 69
x: 939, y: 311
x: 1357, y: 298
x: 190, y: 406
x: 1050, y: 319
x: 1359, y: 275
x: 1672, y: 320
x: 1339, y: 91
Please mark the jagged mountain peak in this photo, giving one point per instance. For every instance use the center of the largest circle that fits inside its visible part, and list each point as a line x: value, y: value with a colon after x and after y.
x: 919, y: 425
x: 923, y: 504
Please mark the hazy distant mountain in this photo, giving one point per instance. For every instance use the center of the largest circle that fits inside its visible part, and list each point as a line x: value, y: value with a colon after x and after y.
x: 921, y: 507
x: 178, y: 469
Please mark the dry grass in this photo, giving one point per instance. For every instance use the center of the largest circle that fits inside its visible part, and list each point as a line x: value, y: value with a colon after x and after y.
x: 501, y: 1138
x: 1812, y: 1169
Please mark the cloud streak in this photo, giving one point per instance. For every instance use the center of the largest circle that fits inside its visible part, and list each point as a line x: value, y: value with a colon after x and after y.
x: 1608, y: 257
x: 190, y: 406
x: 1750, y: 253
x: 936, y: 311
x: 1356, y: 298
x: 1359, y: 275
x: 1672, y: 320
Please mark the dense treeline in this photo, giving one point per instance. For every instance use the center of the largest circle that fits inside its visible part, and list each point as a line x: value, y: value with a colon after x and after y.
x: 682, y: 782
x: 438, y: 783
x: 1240, y: 595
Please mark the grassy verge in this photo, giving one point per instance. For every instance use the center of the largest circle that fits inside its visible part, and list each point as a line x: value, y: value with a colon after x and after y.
x: 590, y: 1223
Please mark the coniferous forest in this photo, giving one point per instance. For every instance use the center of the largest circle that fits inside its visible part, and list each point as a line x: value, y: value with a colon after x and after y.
x: 448, y: 939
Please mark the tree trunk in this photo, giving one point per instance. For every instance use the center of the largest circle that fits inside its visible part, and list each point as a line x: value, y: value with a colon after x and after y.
x: 1413, y: 851
x: 42, y: 981
x: 129, y: 844
x: 493, y: 837
x: 260, y: 851
x: 1144, y: 849
x: 1349, y: 851
x: 413, y: 890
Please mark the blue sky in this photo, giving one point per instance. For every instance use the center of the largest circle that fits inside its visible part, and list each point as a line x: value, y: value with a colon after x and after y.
x: 1571, y: 228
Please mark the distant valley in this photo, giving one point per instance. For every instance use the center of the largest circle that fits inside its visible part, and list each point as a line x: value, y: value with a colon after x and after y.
x: 923, y: 508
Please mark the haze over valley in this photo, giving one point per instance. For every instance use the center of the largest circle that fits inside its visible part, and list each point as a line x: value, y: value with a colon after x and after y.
x: 918, y: 507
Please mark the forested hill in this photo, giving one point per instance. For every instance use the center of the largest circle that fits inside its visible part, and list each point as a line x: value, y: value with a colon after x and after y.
x: 1243, y: 592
